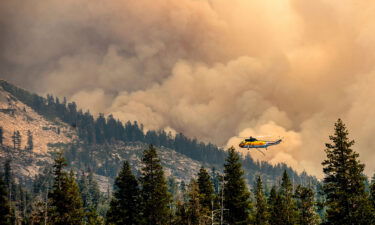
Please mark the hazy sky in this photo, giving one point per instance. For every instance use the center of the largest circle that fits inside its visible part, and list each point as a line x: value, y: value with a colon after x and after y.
x: 212, y: 69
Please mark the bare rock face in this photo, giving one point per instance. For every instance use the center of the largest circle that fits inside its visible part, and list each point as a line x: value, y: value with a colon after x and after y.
x: 16, y: 116
x: 50, y: 136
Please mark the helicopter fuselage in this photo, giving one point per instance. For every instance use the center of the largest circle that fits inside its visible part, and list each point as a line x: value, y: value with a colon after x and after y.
x: 258, y: 144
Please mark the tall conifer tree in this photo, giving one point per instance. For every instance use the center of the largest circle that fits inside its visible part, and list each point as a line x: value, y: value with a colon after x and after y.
x: 1, y: 136
x: 154, y: 189
x: 30, y: 143
x: 306, y: 206
x: 272, y: 206
x: 6, y: 217
x: 372, y: 191
x: 344, y: 182
x: 89, y: 205
x: 285, y: 204
x: 84, y: 189
x: 125, y: 204
x: 206, y: 189
x: 194, y: 208
x: 66, y: 202
x: 16, y: 139
x: 236, y: 194
x: 93, y: 188
x: 261, y: 210
x: 8, y: 176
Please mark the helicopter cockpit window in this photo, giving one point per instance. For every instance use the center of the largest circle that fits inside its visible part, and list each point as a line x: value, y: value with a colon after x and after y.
x: 251, y: 139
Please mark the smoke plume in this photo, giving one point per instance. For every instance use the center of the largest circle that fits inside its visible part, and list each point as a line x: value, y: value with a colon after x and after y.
x: 212, y: 69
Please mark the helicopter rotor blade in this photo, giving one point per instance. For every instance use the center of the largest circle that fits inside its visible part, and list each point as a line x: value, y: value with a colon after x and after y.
x: 256, y: 136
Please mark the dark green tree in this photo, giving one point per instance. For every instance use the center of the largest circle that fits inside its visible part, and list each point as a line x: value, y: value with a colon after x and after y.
x: 285, y: 204
x: 30, y: 143
x: 89, y: 205
x: 1, y: 136
x: 6, y: 217
x: 175, y: 195
x: 9, y: 180
x: 89, y: 190
x: 8, y: 176
x: 307, y: 214
x: 272, y: 206
x: 172, y: 186
x: 372, y: 191
x: 84, y: 190
x: 215, y: 180
x: 194, y: 208
x: 261, y: 210
x: 206, y: 189
x: 16, y: 139
x: 125, y: 204
x: 236, y: 195
x: 93, y: 189
x: 181, y: 217
x: 154, y: 190
x: 344, y: 182
x: 182, y: 189
x: 65, y: 199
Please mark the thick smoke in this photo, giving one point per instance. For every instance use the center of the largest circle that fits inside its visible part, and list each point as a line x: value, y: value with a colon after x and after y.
x: 213, y: 69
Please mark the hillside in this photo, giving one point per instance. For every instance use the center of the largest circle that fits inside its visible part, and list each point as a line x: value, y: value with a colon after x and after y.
x: 51, y: 136
x: 16, y: 116
x: 102, y: 143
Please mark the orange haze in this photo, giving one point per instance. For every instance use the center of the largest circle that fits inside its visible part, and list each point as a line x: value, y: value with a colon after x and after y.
x: 213, y: 69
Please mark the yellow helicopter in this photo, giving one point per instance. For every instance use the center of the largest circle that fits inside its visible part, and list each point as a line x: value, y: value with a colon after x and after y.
x: 252, y: 142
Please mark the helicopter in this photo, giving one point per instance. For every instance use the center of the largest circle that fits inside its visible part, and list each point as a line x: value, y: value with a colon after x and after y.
x: 252, y: 142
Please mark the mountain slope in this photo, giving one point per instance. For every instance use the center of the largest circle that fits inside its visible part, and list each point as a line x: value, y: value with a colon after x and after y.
x: 16, y: 116
x: 102, y: 143
x: 51, y: 136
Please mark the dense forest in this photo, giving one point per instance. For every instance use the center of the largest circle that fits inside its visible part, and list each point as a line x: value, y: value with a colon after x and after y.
x: 108, y: 130
x: 67, y: 197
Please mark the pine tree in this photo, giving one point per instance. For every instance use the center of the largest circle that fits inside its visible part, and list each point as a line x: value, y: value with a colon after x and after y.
x: 154, y: 190
x: 174, y: 193
x: 344, y: 182
x: 172, y: 186
x: 38, y: 211
x: 194, y: 208
x: 215, y: 180
x: 306, y: 206
x: 182, y: 188
x: 84, y: 190
x: 6, y: 217
x: 30, y: 144
x: 66, y: 203
x: 206, y: 189
x: 89, y: 205
x: 181, y: 217
x: 93, y: 189
x: 1, y: 136
x: 89, y: 191
x: 372, y: 191
x: 125, y: 204
x: 16, y: 140
x: 9, y: 180
x: 272, y: 206
x: 285, y: 204
x: 236, y: 194
x: 261, y: 211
